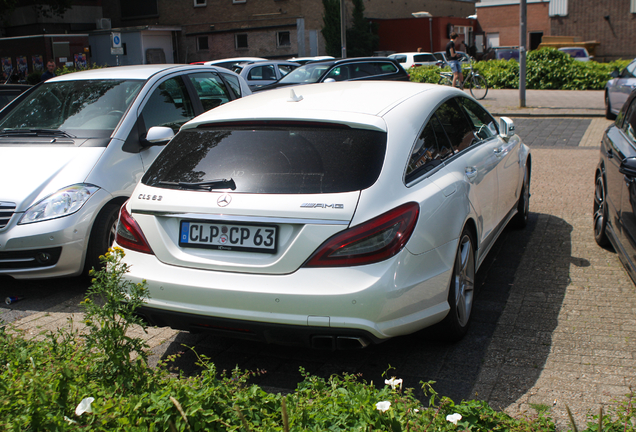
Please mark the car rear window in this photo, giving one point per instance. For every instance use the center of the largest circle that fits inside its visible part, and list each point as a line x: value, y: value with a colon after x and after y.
x: 281, y: 159
x: 424, y: 58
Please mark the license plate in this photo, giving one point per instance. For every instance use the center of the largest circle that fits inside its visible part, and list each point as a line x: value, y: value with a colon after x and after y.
x: 230, y: 237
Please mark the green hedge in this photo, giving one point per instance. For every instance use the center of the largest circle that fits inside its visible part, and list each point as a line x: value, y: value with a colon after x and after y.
x: 546, y: 69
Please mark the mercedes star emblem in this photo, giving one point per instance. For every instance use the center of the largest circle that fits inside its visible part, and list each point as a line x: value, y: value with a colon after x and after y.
x: 224, y: 200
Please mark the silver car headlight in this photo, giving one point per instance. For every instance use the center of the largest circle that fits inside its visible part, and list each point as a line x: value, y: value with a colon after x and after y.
x: 61, y: 203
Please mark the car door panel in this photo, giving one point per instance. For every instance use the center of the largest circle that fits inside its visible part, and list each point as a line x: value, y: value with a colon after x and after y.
x: 628, y: 185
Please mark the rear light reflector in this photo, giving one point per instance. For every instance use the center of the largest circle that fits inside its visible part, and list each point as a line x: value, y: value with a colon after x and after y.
x: 368, y: 243
x: 129, y: 235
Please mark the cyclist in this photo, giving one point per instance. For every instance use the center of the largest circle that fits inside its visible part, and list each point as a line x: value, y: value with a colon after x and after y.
x: 453, y: 61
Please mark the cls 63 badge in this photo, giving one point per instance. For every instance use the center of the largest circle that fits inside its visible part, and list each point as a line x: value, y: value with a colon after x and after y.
x: 149, y: 197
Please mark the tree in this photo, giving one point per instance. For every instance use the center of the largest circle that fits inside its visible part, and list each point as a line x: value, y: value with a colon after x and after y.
x: 362, y: 38
x: 46, y: 8
x: 331, y: 27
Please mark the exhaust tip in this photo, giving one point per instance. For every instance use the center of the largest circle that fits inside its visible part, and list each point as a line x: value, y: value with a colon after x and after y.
x: 326, y: 342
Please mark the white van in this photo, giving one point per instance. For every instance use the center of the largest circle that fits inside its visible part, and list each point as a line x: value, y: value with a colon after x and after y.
x: 73, y: 148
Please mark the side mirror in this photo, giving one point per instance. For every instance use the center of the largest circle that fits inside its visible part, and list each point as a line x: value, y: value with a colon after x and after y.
x: 329, y: 80
x: 615, y: 73
x: 157, y: 135
x: 628, y: 167
x: 506, y: 127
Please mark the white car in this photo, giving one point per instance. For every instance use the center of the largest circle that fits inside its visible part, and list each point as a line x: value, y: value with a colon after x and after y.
x: 73, y: 149
x: 229, y: 63
x: 304, y: 60
x: 333, y: 215
x: 577, y: 53
x: 414, y: 59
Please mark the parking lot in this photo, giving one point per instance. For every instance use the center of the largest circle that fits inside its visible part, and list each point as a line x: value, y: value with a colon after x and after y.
x: 553, y: 321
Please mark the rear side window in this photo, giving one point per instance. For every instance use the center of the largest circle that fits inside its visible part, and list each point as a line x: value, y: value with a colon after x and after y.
x: 287, y: 159
x: 259, y: 73
x: 234, y: 83
x: 431, y: 149
x: 424, y: 58
x: 456, y: 125
x: 629, y: 126
x: 210, y: 88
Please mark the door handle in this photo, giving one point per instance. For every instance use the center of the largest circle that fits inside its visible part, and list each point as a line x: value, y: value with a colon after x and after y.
x: 499, y: 152
x: 471, y: 173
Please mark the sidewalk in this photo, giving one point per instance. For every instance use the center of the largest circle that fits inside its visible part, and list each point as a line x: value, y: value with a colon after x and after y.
x: 546, y: 103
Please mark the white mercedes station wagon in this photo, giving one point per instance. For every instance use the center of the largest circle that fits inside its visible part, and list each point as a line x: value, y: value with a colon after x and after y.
x: 74, y: 147
x: 333, y: 215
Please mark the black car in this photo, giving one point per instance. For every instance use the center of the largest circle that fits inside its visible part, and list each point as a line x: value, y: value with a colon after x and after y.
x: 615, y: 191
x: 349, y: 69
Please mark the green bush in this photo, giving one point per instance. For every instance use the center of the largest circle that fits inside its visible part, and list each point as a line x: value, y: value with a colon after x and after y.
x: 83, y: 382
x: 546, y: 69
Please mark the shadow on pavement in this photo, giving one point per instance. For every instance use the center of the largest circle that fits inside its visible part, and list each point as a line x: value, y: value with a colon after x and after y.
x: 55, y: 295
x: 497, y: 343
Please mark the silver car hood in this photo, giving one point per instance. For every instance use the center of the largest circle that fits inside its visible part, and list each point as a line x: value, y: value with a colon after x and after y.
x: 30, y: 173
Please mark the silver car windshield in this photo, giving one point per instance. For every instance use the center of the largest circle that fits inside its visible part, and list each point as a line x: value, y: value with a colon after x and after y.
x: 82, y: 108
x: 307, y: 74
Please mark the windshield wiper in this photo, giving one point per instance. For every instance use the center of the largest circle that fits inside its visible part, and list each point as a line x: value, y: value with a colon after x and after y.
x: 36, y: 132
x: 205, y: 185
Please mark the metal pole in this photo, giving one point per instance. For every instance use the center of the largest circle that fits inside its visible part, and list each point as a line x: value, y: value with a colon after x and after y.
x: 343, y: 29
x: 430, y: 31
x: 522, y: 53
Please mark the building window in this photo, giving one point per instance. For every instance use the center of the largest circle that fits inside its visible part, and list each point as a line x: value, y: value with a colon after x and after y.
x: 202, y: 43
x: 200, y: 3
x: 241, y: 41
x: 632, y: 6
x: 283, y: 39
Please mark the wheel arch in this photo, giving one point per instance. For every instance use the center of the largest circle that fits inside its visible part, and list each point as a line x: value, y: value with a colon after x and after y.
x: 117, y: 201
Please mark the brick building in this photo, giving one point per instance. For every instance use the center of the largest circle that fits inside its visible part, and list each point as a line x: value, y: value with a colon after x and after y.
x: 611, y: 23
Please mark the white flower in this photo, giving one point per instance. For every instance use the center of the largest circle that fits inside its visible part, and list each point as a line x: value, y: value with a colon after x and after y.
x: 69, y: 420
x: 394, y: 382
x: 84, y: 406
x: 383, y: 406
x: 454, y: 418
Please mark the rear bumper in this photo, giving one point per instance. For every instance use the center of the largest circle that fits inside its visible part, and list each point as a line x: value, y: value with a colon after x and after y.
x: 279, y: 334
x: 374, y: 302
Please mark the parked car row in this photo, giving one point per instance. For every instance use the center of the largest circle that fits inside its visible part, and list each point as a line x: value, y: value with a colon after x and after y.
x: 329, y: 214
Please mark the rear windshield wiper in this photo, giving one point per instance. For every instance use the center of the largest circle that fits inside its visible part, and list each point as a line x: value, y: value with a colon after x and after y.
x: 36, y: 132
x: 205, y: 185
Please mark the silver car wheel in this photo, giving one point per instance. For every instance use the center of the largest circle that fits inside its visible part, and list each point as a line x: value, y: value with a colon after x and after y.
x: 600, y: 212
x: 464, y: 282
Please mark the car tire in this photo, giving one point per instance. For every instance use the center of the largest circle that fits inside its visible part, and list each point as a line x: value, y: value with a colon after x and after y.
x: 102, y: 236
x: 520, y: 220
x: 600, y: 211
x: 608, y: 109
x: 461, y: 292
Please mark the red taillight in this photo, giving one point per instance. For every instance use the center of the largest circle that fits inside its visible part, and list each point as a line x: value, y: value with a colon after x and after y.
x: 373, y: 241
x: 129, y: 235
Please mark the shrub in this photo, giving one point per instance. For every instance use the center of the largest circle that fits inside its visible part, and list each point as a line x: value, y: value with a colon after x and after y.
x: 546, y: 69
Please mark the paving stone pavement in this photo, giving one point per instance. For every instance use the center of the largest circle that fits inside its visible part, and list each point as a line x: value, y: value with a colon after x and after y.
x: 554, y: 320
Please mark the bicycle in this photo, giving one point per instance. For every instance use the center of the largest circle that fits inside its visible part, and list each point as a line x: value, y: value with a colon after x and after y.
x: 476, y: 83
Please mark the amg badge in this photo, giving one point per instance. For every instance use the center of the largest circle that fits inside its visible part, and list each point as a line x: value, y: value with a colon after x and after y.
x: 321, y: 205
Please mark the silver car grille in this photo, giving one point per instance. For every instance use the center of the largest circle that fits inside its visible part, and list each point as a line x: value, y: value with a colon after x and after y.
x: 6, y: 211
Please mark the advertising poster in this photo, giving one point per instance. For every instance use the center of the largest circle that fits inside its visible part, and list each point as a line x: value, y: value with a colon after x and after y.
x: 38, y: 63
x: 23, y: 67
x: 7, y: 66
x: 80, y: 61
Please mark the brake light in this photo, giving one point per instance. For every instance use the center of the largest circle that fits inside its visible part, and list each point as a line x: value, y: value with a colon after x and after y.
x: 129, y: 235
x: 373, y: 241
